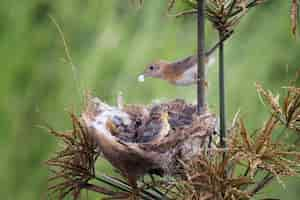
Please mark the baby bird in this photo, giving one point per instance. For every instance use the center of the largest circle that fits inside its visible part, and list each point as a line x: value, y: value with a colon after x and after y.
x: 182, y: 72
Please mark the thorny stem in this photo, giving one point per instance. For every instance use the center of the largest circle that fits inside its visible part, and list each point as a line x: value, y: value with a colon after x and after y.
x: 201, y: 55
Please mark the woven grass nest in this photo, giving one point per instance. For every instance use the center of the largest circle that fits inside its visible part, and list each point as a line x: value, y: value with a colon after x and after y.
x: 153, y: 139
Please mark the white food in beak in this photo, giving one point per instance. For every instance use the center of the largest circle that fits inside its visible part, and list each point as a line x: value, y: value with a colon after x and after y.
x: 141, y: 78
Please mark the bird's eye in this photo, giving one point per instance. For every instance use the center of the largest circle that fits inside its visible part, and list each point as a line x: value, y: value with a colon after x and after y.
x: 151, y: 67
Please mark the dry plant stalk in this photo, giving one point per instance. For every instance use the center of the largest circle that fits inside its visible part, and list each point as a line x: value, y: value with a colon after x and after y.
x: 207, y: 178
x: 294, y: 16
x: 204, y: 176
x: 224, y: 14
x: 289, y: 113
x: 170, y: 139
x: 137, y: 140
x: 261, y: 153
x: 141, y: 140
x: 74, y: 165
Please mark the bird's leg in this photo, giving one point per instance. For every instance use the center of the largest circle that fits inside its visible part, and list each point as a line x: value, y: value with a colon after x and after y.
x: 152, y: 179
x: 223, y: 39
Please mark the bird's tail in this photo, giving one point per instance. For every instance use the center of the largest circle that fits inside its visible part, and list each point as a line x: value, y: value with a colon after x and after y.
x: 211, y: 60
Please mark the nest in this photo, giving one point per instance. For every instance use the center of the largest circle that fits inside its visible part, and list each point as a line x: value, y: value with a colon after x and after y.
x: 140, y: 140
x: 171, y: 139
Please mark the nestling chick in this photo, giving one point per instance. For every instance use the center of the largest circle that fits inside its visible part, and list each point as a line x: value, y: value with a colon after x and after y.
x: 182, y: 72
x: 165, y: 126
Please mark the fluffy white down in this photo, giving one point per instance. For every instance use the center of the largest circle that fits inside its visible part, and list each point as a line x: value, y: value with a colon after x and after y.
x: 110, y: 113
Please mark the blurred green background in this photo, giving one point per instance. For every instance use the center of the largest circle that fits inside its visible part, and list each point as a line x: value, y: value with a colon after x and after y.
x: 110, y: 42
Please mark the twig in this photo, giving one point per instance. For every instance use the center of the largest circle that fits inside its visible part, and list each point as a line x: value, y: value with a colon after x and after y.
x: 123, y: 186
x: 267, y: 179
x: 249, y: 5
x: 67, y: 54
x: 98, y: 189
x: 231, y: 8
x: 185, y: 12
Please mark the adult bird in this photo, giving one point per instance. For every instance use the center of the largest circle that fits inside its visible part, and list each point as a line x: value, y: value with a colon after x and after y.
x: 182, y: 72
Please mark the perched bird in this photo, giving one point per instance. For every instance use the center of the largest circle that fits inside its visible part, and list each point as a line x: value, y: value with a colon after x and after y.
x: 182, y: 72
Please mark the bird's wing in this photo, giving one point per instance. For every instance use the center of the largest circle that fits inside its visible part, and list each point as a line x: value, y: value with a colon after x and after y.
x: 184, y: 64
x: 191, y: 61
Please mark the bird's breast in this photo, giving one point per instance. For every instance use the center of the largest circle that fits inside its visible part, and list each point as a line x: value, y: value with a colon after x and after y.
x: 188, y: 77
